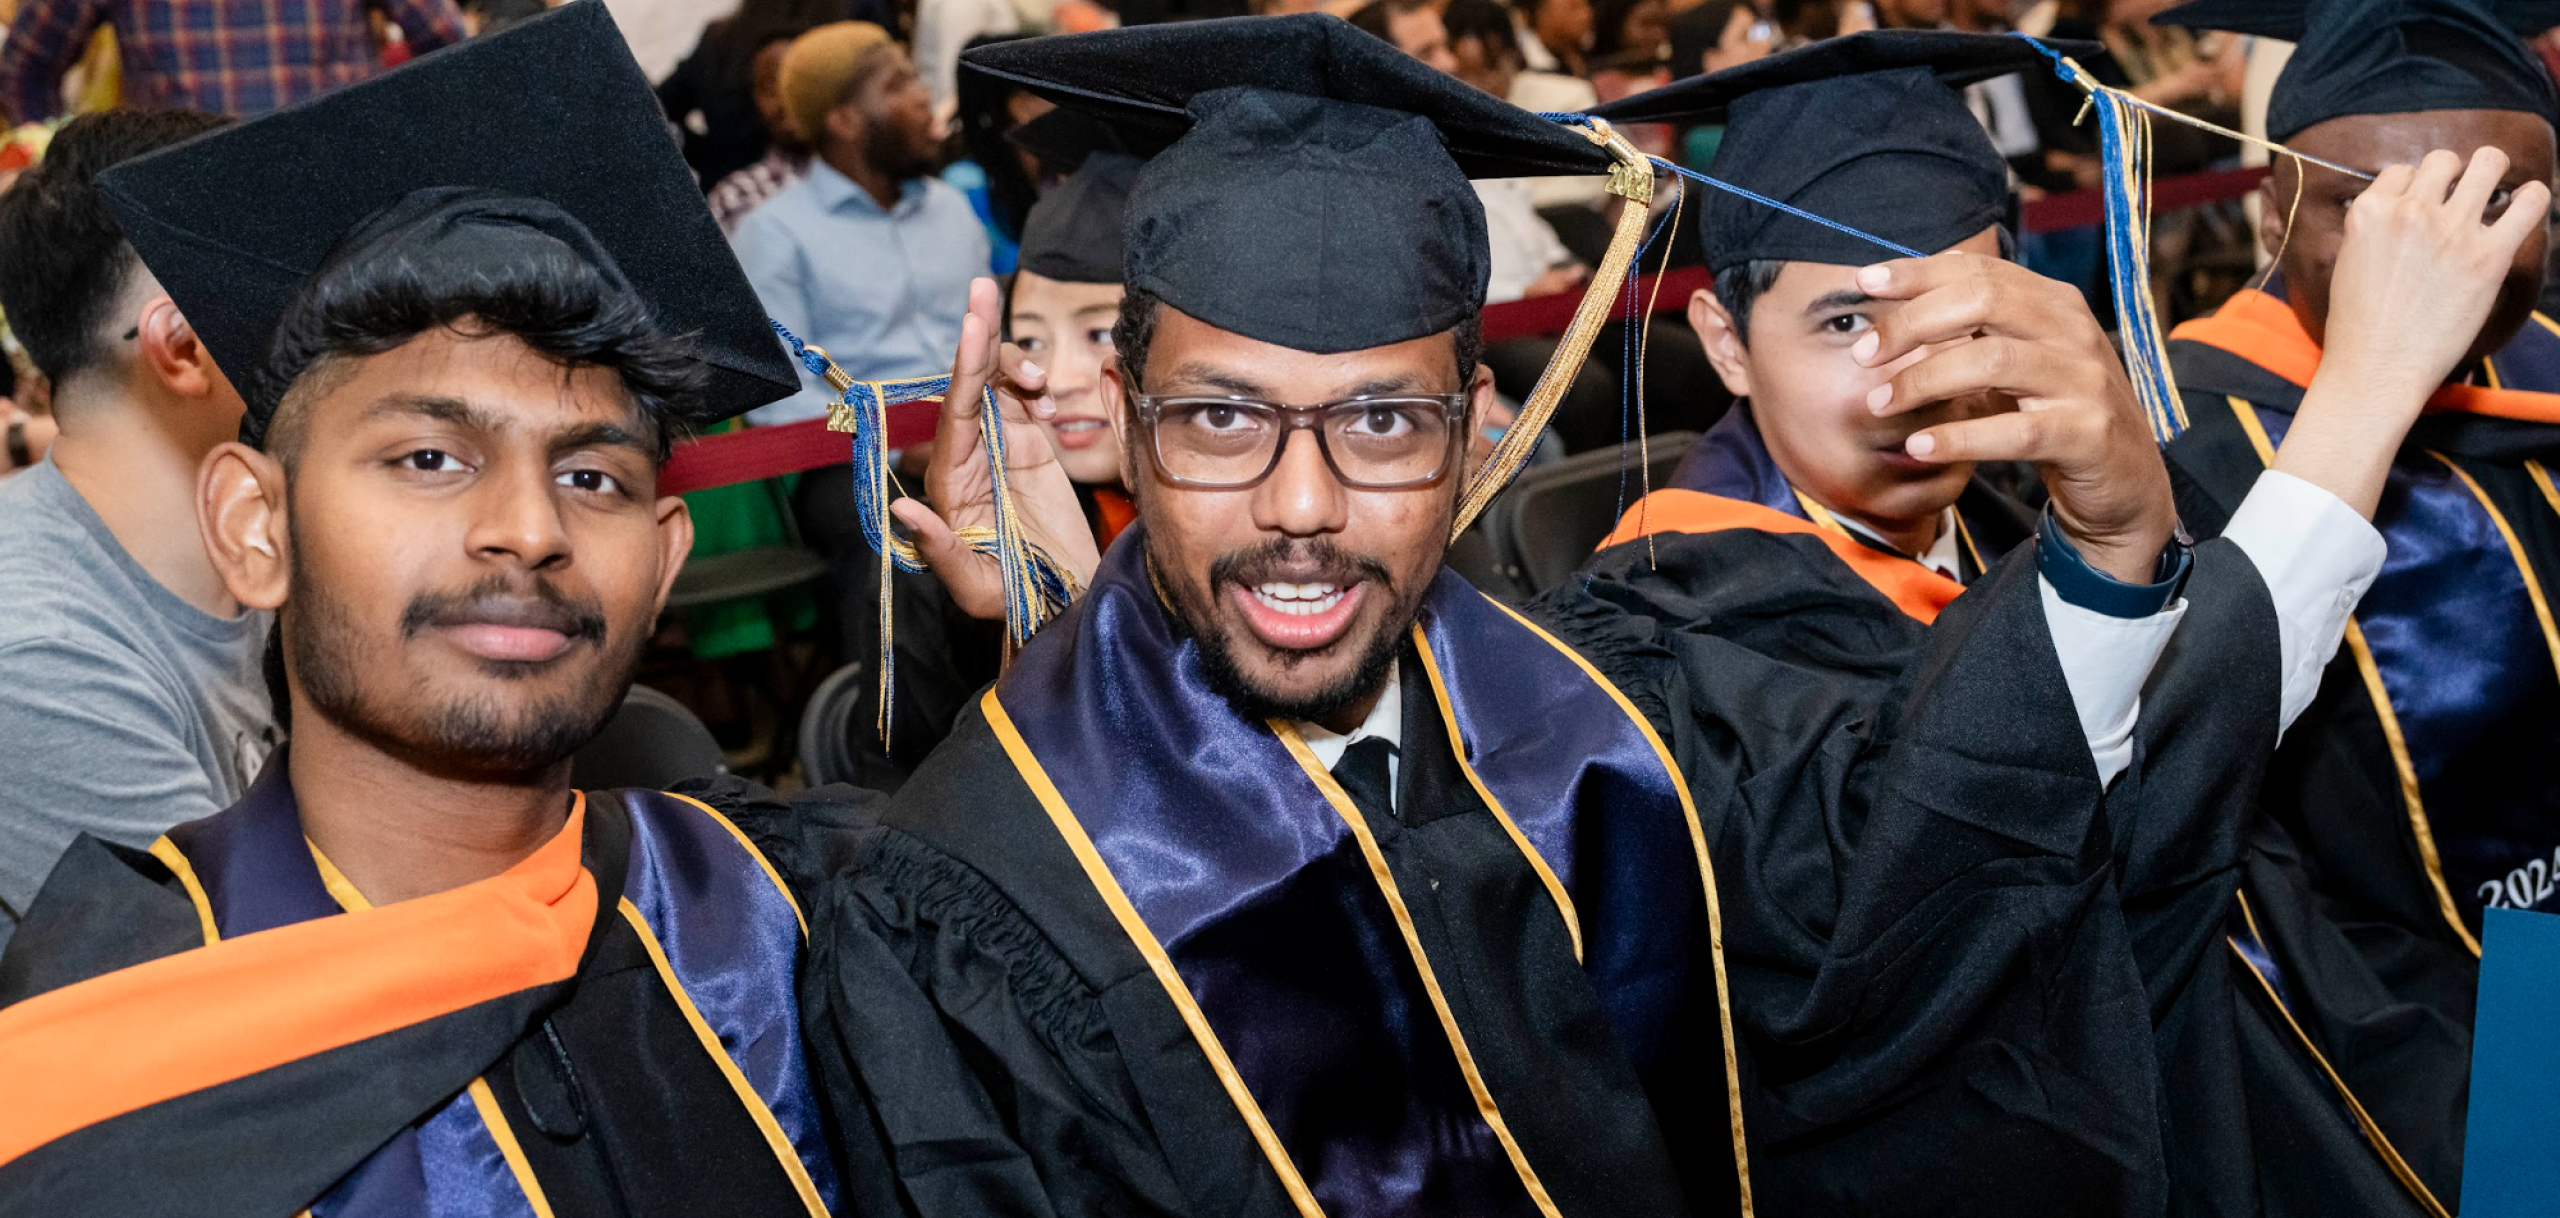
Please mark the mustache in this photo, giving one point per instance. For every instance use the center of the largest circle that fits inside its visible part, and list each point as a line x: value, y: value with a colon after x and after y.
x: 502, y: 600
x: 1297, y: 560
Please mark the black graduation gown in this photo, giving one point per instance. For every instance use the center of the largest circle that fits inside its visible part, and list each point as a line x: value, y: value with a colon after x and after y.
x: 2361, y: 925
x: 1935, y: 987
x: 603, y: 1081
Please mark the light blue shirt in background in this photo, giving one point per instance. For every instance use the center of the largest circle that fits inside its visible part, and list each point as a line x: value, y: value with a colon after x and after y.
x: 882, y: 291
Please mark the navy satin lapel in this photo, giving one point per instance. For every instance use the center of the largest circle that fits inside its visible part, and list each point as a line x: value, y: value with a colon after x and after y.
x: 733, y: 940
x: 1264, y: 903
x: 2531, y: 362
x: 253, y: 861
x: 2453, y: 633
x: 1591, y: 795
x: 1731, y: 460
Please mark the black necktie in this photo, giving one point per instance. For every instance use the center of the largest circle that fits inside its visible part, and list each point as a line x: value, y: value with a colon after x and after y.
x: 1362, y: 771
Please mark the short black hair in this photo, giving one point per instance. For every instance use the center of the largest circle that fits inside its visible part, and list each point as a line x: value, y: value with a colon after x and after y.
x: 1740, y: 287
x: 563, y: 307
x: 63, y: 258
x: 1486, y: 21
x: 1136, y: 329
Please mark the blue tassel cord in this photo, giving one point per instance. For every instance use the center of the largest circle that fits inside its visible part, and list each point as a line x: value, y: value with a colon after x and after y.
x: 1036, y: 587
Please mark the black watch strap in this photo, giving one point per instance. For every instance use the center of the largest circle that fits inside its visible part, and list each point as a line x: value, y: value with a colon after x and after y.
x: 2078, y: 583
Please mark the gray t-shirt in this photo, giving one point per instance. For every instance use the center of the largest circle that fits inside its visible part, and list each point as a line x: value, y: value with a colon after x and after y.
x: 123, y: 709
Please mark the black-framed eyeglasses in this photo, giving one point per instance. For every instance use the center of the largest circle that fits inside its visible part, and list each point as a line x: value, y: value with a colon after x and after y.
x: 1383, y: 442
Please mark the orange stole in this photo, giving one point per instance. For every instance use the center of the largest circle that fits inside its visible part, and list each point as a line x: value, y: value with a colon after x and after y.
x: 2260, y: 328
x: 1913, y: 588
x: 1117, y: 510
x: 115, y: 1044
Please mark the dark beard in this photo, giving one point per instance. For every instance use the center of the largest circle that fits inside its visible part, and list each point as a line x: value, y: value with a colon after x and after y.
x: 469, y: 735
x: 1227, y: 678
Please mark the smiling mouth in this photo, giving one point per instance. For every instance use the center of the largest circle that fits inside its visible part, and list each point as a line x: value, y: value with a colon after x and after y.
x: 1299, y: 616
x: 1298, y: 600
x: 1083, y: 431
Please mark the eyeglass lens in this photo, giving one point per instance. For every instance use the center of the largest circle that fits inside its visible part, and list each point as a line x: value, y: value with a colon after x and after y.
x: 1377, y: 442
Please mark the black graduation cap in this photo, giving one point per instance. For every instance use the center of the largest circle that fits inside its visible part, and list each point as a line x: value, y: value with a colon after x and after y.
x: 1073, y: 232
x: 1061, y: 139
x: 1869, y: 130
x: 1307, y: 182
x: 2390, y: 56
x: 543, y: 140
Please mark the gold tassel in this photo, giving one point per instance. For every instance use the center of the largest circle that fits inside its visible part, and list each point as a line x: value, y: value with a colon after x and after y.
x: 1631, y: 179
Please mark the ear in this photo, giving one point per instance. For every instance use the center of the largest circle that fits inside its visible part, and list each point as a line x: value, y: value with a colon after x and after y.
x: 240, y: 510
x: 1725, y: 350
x: 1481, y: 397
x: 844, y: 123
x: 174, y: 354
x: 1118, y: 405
x: 675, y: 542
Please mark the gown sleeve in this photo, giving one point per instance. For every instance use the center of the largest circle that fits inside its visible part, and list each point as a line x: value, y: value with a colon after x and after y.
x: 1912, y: 851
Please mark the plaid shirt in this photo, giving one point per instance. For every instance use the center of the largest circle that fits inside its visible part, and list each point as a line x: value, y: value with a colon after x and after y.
x: 740, y: 192
x: 240, y: 57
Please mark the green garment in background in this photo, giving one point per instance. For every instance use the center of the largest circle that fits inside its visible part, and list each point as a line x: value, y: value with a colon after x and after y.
x: 732, y: 518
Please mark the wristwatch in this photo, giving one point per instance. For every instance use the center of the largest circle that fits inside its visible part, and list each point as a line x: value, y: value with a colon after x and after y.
x: 20, y: 456
x: 2078, y: 583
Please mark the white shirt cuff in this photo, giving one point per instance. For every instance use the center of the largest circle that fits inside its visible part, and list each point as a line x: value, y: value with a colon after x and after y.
x: 2105, y: 661
x: 2317, y: 557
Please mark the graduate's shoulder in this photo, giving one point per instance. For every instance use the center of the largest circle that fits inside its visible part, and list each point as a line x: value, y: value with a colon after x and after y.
x: 103, y: 908
x: 968, y: 848
x: 1782, y: 596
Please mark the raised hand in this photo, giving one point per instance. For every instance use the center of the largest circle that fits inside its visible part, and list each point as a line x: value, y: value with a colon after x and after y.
x: 1993, y: 327
x: 962, y: 488
x: 2415, y: 279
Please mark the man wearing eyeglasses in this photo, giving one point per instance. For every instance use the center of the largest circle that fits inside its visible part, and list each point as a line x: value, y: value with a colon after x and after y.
x: 1287, y: 874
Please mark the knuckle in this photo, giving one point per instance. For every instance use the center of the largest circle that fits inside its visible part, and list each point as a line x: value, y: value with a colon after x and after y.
x: 1999, y: 360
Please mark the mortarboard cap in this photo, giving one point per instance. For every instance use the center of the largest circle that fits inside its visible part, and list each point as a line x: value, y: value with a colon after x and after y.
x: 1073, y: 232
x: 2390, y: 56
x: 1324, y: 206
x: 1869, y: 130
x: 1061, y: 139
x: 542, y: 141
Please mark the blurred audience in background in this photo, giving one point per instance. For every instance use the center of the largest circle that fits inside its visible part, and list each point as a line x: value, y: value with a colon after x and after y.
x: 786, y: 154
x: 213, y: 55
x: 867, y: 254
x: 710, y: 96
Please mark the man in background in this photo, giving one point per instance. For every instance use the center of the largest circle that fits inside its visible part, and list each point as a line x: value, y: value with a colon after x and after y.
x: 868, y: 256
x: 120, y: 648
x: 208, y: 55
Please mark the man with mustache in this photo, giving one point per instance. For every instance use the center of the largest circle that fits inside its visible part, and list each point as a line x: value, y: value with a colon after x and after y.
x: 412, y: 971
x: 1287, y: 874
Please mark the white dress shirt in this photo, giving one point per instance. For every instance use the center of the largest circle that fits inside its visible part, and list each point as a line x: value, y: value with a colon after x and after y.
x: 1524, y: 246
x: 2315, y: 553
x: 1385, y: 722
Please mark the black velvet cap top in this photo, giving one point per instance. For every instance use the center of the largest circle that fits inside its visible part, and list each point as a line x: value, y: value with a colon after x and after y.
x: 1073, y: 232
x: 1868, y: 130
x: 1307, y: 183
x: 2390, y: 56
x: 543, y: 141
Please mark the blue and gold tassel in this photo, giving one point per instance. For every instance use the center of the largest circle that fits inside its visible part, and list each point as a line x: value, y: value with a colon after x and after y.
x: 1036, y: 587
